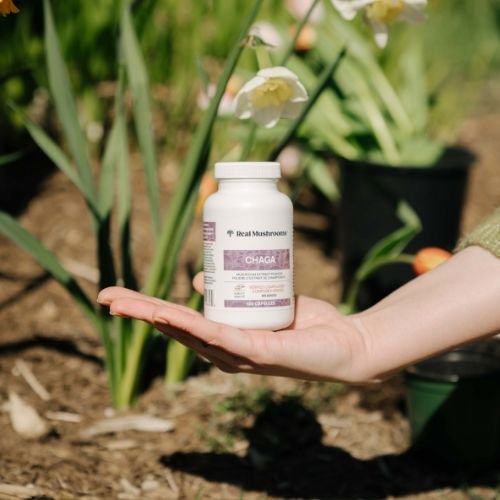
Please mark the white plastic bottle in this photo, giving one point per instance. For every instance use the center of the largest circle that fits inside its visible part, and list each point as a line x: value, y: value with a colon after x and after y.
x: 248, y: 248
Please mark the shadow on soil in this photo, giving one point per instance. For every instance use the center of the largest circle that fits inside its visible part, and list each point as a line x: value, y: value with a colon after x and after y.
x: 51, y: 343
x: 286, y: 459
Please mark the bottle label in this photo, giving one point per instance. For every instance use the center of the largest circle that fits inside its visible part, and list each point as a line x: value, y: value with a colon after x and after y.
x: 245, y: 267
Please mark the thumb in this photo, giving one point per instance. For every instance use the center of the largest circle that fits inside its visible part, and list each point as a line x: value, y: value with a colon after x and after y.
x: 198, y: 283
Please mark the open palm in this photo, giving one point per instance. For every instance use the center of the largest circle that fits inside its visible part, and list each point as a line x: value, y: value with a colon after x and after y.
x: 321, y: 343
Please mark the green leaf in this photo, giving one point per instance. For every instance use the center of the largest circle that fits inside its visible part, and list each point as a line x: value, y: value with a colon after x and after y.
x: 58, y: 157
x: 407, y: 215
x: 319, y: 175
x: 195, y: 163
x: 139, y: 82
x: 392, y: 245
x: 10, y: 228
x: 323, y: 81
x: 10, y: 158
x: 191, y: 173
x: 25, y: 240
x: 62, y: 94
x: 125, y: 205
x: 107, y: 176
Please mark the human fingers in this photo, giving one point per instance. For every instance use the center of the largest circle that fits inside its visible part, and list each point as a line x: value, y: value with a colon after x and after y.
x: 148, y: 311
x: 223, y: 360
x: 198, y: 283
x: 242, y: 343
x: 113, y: 293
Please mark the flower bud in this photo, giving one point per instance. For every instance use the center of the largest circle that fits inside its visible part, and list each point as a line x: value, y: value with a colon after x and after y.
x: 429, y: 258
x: 306, y: 39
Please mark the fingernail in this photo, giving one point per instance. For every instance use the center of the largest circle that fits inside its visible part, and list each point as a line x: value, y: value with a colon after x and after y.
x: 117, y: 314
x: 162, y: 321
x: 100, y: 299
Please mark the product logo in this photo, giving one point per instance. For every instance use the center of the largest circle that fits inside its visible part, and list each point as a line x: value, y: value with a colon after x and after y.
x: 255, y: 234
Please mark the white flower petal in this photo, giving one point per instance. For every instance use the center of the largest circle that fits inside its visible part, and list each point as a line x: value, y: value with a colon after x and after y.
x: 273, y: 93
x: 268, y: 33
x: 267, y: 117
x: 299, y: 92
x: 299, y: 9
x: 242, y: 106
x: 292, y: 109
x: 349, y: 8
x: 277, y: 72
x: 413, y: 14
x: 252, y: 84
x: 420, y: 4
x: 381, y: 33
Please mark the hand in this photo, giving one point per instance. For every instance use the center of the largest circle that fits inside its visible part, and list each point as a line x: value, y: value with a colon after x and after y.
x: 321, y: 343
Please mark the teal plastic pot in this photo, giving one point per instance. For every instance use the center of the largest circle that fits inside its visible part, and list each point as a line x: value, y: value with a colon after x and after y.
x: 453, y: 406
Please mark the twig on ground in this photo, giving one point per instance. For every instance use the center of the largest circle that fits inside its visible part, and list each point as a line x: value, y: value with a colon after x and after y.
x: 145, y: 423
x: 171, y: 483
x: 25, y: 371
x: 63, y: 416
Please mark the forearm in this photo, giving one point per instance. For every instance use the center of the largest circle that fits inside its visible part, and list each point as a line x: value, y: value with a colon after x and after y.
x: 456, y: 303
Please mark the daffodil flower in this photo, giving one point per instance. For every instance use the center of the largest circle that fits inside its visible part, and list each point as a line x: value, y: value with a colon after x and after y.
x: 381, y: 13
x: 8, y: 7
x: 272, y: 94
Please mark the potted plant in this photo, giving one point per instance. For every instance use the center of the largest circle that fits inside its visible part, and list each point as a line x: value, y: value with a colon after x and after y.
x: 390, y: 119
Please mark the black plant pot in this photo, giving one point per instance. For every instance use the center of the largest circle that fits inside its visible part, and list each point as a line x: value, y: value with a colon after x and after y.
x: 367, y: 213
x: 454, y: 405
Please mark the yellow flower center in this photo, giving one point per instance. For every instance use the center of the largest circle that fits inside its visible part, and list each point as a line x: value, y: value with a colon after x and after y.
x: 385, y: 11
x: 272, y: 93
x: 8, y: 7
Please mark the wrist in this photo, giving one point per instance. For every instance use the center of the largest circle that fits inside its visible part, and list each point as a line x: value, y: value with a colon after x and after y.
x: 361, y: 368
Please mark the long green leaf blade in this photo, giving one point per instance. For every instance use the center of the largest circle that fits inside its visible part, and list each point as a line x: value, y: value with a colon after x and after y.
x: 30, y: 244
x: 190, y: 175
x: 125, y: 207
x: 139, y: 82
x: 57, y: 155
x: 194, y: 165
x: 10, y: 158
x: 62, y: 94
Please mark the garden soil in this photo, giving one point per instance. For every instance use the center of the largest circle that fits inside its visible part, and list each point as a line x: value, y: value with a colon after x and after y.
x: 232, y: 436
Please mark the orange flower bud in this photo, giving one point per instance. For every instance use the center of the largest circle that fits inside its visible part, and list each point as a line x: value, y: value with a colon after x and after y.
x: 306, y: 39
x: 429, y: 258
x: 208, y: 186
x: 8, y: 7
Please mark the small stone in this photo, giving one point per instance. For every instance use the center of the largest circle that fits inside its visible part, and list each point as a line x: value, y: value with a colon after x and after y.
x: 25, y: 419
x: 150, y: 485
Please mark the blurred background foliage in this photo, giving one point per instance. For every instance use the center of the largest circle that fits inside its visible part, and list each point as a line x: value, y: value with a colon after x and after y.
x: 385, y: 105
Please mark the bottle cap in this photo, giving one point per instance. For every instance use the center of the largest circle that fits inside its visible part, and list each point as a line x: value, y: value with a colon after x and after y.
x: 247, y: 170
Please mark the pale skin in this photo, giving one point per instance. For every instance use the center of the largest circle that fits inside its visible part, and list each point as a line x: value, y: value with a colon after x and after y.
x: 454, y: 304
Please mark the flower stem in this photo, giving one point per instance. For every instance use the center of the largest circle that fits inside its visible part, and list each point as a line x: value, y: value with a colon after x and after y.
x: 324, y: 81
x: 300, y: 27
x: 263, y: 57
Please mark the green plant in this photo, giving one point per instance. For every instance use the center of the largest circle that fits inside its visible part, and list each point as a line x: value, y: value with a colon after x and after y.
x: 389, y: 250
x: 108, y: 195
x: 125, y: 342
x: 404, y: 104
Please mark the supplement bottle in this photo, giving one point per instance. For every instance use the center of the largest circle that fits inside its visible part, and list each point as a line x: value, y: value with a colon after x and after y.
x: 248, y: 248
